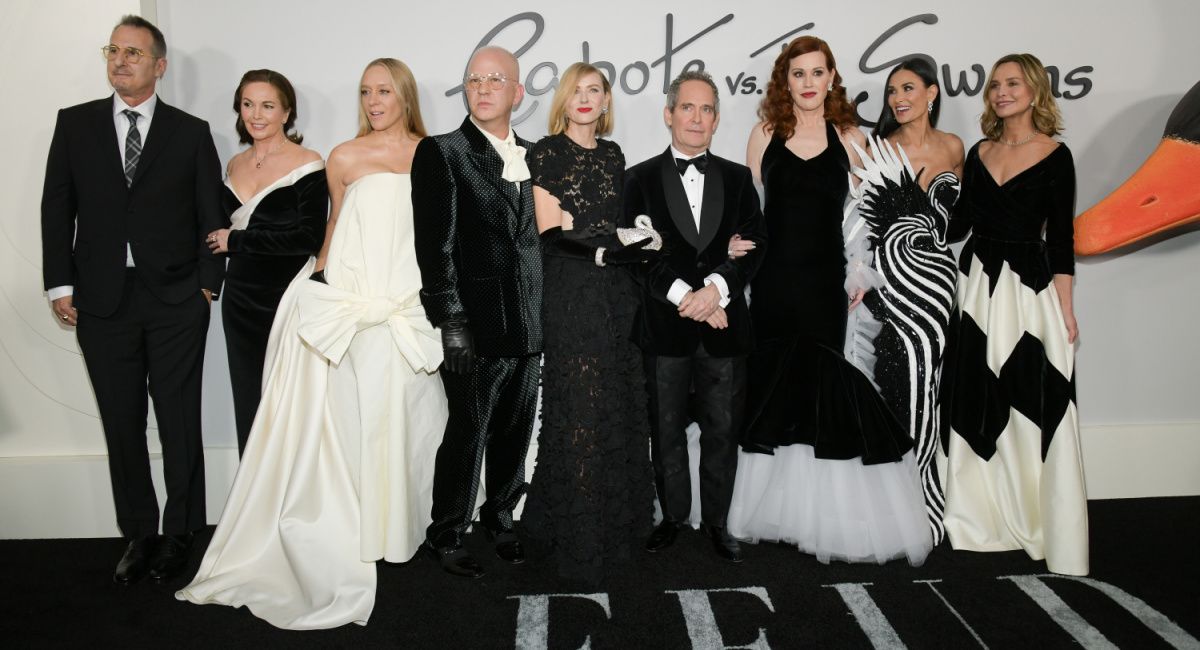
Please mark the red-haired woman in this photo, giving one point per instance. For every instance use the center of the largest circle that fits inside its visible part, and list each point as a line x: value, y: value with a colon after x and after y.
x: 826, y: 465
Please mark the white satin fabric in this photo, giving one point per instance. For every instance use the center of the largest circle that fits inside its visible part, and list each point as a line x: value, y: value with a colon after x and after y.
x: 1017, y: 499
x: 241, y: 216
x: 338, y: 470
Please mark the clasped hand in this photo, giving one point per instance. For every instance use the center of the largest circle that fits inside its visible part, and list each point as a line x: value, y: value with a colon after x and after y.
x: 704, y: 305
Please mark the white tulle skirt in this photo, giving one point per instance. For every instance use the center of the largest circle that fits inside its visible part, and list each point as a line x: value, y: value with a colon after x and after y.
x: 833, y: 509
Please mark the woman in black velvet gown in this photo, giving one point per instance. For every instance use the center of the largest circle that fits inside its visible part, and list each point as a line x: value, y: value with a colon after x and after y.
x: 278, y: 201
x: 827, y: 466
x: 592, y: 493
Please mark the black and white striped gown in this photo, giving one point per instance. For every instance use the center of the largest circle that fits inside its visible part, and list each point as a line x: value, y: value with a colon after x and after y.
x: 913, y: 303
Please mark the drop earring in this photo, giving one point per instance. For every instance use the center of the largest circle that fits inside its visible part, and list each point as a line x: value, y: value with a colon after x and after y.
x: 929, y: 107
x: 830, y: 88
x: 604, y: 110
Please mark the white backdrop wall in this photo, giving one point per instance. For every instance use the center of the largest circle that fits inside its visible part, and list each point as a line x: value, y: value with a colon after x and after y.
x: 1120, y: 68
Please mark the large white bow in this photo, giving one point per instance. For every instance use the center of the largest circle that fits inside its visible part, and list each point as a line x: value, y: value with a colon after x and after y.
x: 330, y: 317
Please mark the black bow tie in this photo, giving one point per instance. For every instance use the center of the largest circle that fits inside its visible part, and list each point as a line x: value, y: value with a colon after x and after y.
x: 701, y: 163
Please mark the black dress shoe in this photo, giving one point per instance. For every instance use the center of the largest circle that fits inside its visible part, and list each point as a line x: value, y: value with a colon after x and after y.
x: 507, y: 544
x: 663, y: 535
x: 455, y: 560
x: 724, y: 544
x: 171, y: 557
x: 136, y: 561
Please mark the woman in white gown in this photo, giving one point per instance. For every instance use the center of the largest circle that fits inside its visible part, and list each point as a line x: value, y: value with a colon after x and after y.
x: 338, y: 470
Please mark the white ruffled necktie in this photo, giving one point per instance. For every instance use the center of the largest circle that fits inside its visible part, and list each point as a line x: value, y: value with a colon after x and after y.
x: 515, y: 169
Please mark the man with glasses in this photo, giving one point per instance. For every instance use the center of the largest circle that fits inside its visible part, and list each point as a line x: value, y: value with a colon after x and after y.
x: 132, y: 187
x: 481, y: 267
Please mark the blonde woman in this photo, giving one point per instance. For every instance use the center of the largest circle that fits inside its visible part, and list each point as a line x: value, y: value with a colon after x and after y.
x: 1014, y: 478
x: 591, y: 497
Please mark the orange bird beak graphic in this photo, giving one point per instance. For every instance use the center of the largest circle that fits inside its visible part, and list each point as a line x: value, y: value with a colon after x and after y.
x: 1162, y: 195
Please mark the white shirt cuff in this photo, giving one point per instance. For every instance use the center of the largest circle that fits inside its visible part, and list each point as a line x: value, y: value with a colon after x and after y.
x: 54, y: 293
x: 678, y: 290
x: 722, y: 287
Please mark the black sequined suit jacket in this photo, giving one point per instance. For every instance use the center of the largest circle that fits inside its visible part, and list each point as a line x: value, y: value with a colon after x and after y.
x: 730, y: 205
x: 477, y: 243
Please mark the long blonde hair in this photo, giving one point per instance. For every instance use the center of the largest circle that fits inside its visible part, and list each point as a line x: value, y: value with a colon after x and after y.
x: 406, y: 88
x: 557, y: 122
x: 1046, y: 117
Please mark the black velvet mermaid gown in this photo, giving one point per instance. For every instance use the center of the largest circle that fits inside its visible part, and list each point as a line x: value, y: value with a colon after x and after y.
x: 591, y: 497
x: 826, y: 465
x: 274, y: 234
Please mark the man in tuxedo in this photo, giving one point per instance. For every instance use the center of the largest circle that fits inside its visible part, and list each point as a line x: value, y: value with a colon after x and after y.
x: 132, y: 188
x: 481, y: 267
x: 694, y: 324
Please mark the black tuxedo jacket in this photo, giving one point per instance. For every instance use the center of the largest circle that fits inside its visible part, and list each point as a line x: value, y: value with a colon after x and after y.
x: 477, y: 242
x: 88, y: 214
x: 730, y: 205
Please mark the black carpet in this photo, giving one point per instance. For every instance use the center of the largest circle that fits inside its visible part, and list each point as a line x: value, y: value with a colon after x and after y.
x: 1143, y: 592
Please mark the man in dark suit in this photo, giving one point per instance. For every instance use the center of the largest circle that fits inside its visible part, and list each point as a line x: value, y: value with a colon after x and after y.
x: 132, y: 187
x: 694, y: 324
x: 481, y: 267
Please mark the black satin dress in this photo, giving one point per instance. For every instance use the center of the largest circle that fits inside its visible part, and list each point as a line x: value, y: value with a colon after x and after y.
x: 286, y: 227
x: 800, y: 388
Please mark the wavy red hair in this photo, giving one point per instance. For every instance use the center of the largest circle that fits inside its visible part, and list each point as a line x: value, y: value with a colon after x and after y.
x: 776, y: 110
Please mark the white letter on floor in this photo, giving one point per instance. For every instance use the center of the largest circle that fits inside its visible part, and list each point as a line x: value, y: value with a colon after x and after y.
x: 702, y: 622
x: 533, y: 619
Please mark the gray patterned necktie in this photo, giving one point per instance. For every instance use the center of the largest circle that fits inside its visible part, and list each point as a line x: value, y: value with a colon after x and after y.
x: 133, y: 146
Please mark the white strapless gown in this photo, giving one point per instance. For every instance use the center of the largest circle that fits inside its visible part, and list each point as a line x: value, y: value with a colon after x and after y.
x: 338, y: 470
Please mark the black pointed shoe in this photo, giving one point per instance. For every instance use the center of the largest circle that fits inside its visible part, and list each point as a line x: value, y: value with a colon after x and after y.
x: 171, y: 557
x: 663, y: 535
x: 455, y: 560
x: 507, y: 544
x: 724, y: 544
x: 136, y: 561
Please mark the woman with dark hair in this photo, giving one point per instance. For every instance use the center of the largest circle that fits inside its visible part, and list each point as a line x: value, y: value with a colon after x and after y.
x: 1014, y: 476
x: 338, y: 470
x: 277, y: 202
x: 825, y: 464
x: 914, y: 293
x: 591, y: 497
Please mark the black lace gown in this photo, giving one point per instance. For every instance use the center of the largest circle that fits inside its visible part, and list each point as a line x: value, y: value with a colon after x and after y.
x: 591, y: 496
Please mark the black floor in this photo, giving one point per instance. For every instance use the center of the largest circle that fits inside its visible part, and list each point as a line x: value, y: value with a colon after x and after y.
x: 1143, y: 592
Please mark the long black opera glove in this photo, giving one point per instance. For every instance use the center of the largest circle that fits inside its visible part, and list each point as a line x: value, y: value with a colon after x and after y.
x: 555, y: 243
x: 457, y: 346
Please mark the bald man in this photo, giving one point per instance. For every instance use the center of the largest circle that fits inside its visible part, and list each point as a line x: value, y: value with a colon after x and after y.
x: 481, y: 271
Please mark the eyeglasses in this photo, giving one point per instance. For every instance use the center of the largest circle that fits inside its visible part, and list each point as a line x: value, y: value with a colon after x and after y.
x: 132, y: 54
x: 494, y: 81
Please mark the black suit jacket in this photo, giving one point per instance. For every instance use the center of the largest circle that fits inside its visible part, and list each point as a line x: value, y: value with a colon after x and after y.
x: 88, y: 214
x: 730, y: 205
x: 477, y: 242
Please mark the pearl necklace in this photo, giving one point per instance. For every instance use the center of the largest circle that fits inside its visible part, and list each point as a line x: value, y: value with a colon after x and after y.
x: 258, y: 162
x: 1017, y: 143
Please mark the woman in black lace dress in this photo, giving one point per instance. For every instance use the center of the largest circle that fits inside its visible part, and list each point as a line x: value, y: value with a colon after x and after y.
x: 591, y: 497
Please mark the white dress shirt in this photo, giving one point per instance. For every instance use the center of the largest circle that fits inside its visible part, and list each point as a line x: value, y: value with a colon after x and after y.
x: 513, y: 155
x: 693, y: 187
x: 121, y: 122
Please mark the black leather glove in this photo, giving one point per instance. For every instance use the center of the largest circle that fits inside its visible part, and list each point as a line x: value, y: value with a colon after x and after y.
x: 458, y: 347
x: 555, y: 243
x: 318, y: 276
x: 634, y: 253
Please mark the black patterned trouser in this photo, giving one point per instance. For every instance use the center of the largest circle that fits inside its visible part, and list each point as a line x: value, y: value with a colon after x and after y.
x: 491, y: 416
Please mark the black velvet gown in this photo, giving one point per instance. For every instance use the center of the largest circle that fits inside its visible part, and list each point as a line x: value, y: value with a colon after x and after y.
x: 800, y: 387
x: 284, y: 227
x: 591, y: 498
x: 826, y: 465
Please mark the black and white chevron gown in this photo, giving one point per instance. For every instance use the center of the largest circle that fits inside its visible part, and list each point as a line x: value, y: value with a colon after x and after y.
x: 913, y: 303
x: 1010, y: 429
